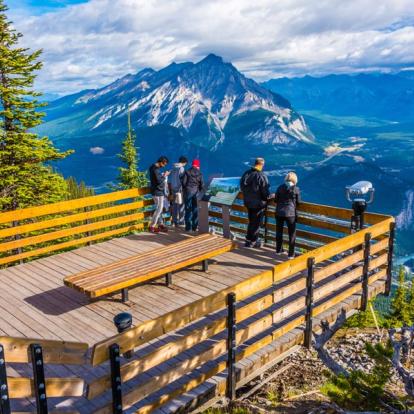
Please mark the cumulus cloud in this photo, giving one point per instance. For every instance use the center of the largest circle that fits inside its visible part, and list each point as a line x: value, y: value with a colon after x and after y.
x: 96, y: 150
x: 88, y: 45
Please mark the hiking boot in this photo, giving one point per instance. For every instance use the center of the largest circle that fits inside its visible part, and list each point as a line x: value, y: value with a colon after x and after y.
x: 258, y: 244
x: 162, y: 228
x: 248, y: 243
x: 154, y: 229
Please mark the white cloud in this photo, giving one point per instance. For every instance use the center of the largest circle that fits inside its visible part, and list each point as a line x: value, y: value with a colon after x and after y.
x: 90, y: 44
x: 96, y: 150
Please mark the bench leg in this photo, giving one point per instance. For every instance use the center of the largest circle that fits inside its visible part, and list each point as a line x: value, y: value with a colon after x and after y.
x: 168, y: 279
x: 124, y: 294
x: 205, y: 265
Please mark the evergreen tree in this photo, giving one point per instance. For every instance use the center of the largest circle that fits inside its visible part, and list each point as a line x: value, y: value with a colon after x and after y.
x: 26, y: 177
x: 400, y: 312
x: 411, y: 301
x: 130, y: 176
x: 78, y: 190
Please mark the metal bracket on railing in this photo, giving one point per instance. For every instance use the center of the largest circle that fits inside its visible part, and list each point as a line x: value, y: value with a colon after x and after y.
x: 390, y: 260
x: 365, y: 271
x: 231, y: 346
x: 309, y: 302
x: 116, y: 382
x: 36, y: 354
x: 4, y: 388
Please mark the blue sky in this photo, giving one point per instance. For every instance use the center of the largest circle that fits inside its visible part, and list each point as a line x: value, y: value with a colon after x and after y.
x: 87, y: 44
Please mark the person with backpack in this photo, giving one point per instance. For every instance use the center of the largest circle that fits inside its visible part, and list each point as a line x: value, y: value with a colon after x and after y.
x: 175, y: 181
x: 256, y: 191
x: 158, y: 191
x: 287, y: 198
x: 193, y: 185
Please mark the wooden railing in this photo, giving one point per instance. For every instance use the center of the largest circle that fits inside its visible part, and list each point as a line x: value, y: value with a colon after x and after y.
x: 210, y: 335
x: 36, y: 231
x: 268, y: 306
x: 37, y: 353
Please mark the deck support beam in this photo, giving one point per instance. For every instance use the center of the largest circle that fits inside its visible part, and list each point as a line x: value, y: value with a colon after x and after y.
x: 36, y: 353
x: 365, y: 272
x: 309, y: 302
x: 231, y: 346
x: 390, y: 260
x: 4, y: 388
x: 116, y: 382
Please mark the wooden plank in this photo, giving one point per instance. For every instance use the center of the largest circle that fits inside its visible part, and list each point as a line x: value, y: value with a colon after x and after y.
x: 61, y: 206
x: 378, y: 261
x: 41, y: 238
x: 310, y: 221
x: 71, y: 243
x: 72, y: 218
x: 149, y: 330
x: 339, y: 265
x: 383, y: 244
x: 55, y: 387
x: 346, y: 293
x: 54, y: 352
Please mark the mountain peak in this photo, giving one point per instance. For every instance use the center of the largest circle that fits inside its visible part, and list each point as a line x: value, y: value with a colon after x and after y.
x: 212, y: 59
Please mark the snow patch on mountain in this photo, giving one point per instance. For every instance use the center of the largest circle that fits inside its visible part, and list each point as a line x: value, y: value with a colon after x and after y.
x: 405, y: 219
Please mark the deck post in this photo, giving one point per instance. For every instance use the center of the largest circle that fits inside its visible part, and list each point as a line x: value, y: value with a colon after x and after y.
x: 36, y: 353
x: 231, y: 346
x: 116, y: 382
x: 4, y: 388
x: 124, y: 294
x: 168, y: 279
x: 365, y: 272
x: 205, y: 265
x: 203, y: 216
x: 225, y: 212
x: 390, y: 260
x: 309, y: 302
x: 266, y: 220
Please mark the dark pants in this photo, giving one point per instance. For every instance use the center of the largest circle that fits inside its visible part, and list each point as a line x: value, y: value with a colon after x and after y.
x: 191, y: 213
x: 291, y: 226
x: 255, y: 220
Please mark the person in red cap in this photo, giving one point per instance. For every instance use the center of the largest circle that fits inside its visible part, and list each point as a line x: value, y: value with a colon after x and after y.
x: 193, y: 185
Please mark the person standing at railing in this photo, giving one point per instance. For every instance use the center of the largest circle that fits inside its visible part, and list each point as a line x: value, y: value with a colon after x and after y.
x: 193, y: 185
x: 287, y: 198
x: 256, y: 191
x: 175, y: 181
x: 158, y: 181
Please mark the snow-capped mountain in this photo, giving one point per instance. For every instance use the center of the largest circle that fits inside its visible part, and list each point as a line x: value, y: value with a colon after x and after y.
x: 198, y: 99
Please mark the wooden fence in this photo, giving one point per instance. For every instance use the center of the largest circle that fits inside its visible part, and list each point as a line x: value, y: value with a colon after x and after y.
x: 67, y: 224
x: 209, y: 336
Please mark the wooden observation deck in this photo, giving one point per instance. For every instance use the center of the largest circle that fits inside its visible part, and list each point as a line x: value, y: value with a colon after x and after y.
x: 201, y: 337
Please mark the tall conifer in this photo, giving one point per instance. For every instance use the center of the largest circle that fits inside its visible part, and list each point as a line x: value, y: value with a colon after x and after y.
x: 26, y: 177
x: 129, y: 175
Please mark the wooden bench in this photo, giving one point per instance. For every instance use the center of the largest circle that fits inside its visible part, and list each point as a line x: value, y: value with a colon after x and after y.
x: 121, y: 275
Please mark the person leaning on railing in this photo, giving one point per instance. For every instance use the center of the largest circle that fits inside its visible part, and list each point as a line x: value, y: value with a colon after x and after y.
x: 287, y: 198
x: 255, y: 188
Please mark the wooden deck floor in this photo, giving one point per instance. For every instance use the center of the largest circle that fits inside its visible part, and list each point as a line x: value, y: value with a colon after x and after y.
x: 35, y: 303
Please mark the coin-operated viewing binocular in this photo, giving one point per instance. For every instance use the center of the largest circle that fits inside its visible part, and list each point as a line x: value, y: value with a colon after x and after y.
x: 360, y: 195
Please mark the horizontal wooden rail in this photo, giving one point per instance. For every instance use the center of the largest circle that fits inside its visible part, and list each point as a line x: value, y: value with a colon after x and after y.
x: 55, y: 387
x: 55, y: 352
x: 62, y: 206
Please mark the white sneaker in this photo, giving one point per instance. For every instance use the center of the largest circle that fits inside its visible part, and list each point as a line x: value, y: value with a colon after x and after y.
x: 291, y: 257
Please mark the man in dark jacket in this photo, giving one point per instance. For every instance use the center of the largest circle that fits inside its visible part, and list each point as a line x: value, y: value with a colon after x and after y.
x: 158, y: 182
x: 255, y: 188
x: 193, y: 185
